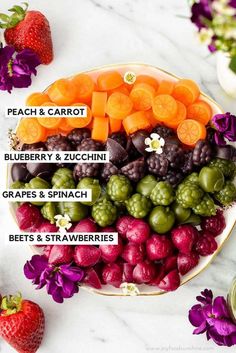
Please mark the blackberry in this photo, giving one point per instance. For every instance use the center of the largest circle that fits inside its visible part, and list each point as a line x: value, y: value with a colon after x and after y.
x: 157, y: 164
x: 76, y: 136
x: 187, y: 166
x: 90, y: 145
x: 202, y: 153
x: 39, y: 146
x: 210, y: 135
x: 108, y: 170
x: 90, y: 170
x: 175, y: 155
x: 119, y: 137
x: 173, y: 177
x: 134, y: 170
x: 58, y: 143
x: 131, y: 150
x: 163, y: 131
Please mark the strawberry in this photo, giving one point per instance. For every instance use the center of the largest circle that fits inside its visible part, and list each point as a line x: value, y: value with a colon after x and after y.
x: 86, y: 255
x: 21, y: 324
x: 111, y: 252
x: 112, y: 274
x: 184, y: 237
x: 61, y: 254
x: 186, y: 262
x: 138, y: 231
x: 91, y: 278
x: 158, y: 247
x: 144, y: 272
x: 170, y: 282
x: 127, y: 273
x: 29, y: 29
x: 133, y: 253
x: 170, y: 263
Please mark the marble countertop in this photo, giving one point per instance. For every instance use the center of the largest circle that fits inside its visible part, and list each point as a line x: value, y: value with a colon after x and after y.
x: 88, y: 33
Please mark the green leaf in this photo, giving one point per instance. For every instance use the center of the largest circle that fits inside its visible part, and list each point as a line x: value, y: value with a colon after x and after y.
x: 4, y: 17
x: 17, y: 9
x: 232, y: 64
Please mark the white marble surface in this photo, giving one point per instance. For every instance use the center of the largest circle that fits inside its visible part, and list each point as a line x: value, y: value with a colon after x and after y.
x: 90, y: 33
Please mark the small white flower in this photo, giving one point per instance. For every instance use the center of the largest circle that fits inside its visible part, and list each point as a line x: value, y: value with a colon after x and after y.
x: 155, y: 143
x: 205, y: 35
x: 63, y: 222
x: 129, y: 289
x: 129, y: 77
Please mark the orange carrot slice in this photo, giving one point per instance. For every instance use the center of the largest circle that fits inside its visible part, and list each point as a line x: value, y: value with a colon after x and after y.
x: 142, y: 95
x: 200, y: 111
x: 109, y: 80
x: 62, y: 92
x: 180, y: 116
x: 165, y: 87
x: 49, y: 123
x: 99, y: 101
x: 100, y: 129
x: 135, y: 122
x: 186, y: 91
x: 115, y: 125
x: 121, y: 89
x: 64, y: 126
x: 119, y: 105
x: 151, y: 118
x: 30, y: 131
x: 80, y: 122
x: 37, y: 99
x: 147, y: 79
x: 84, y: 87
x: 190, y: 131
x: 164, y: 107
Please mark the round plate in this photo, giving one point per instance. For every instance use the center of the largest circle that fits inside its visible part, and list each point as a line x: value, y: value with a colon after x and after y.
x: 230, y: 213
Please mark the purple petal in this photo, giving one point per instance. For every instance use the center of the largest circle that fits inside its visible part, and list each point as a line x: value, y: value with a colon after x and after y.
x: 219, y: 139
x: 21, y: 81
x: 196, y: 316
x: 220, y: 308
x: 230, y: 340
x: 201, y: 329
x: 223, y: 327
x: 201, y: 10
x: 218, y: 339
x: 206, y: 297
x: 35, y: 266
x: 232, y: 3
x: 221, y: 122
x: 6, y: 54
x: 75, y: 274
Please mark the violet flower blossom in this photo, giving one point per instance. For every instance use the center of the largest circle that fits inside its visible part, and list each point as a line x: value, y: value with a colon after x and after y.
x: 201, y: 11
x: 225, y: 126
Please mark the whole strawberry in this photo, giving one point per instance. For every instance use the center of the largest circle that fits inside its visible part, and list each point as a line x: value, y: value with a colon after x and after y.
x: 28, y: 29
x: 21, y: 324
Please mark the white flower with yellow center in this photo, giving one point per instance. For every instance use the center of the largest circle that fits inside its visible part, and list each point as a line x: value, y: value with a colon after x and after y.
x: 223, y: 8
x: 129, y: 77
x: 205, y: 35
x: 155, y: 143
x: 129, y: 289
x: 63, y: 222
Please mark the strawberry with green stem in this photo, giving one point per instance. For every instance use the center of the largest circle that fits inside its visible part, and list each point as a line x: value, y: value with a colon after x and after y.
x: 21, y: 323
x: 28, y: 29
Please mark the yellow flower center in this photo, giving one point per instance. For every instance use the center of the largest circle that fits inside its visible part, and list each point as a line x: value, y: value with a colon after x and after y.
x: 9, y: 67
x: 155, y: 144
x: 63, y: 222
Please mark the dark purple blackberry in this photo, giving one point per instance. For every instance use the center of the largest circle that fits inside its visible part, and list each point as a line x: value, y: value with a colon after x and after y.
x: 210, y: 135
x: 83, y: 170
x: 187, y: 167
x: 119, y: 137
x: 174, y: 177
x: 133, y: 154
x: 58, y: 143
x: 108, y: 170
x: 202, y: 153
x: 163, y: 131
x: 76, y: 136
x: 90, y: 145
x: 157, y: 164
x: 134, y: 170
x: 174, y: 154
x: 39, y: 146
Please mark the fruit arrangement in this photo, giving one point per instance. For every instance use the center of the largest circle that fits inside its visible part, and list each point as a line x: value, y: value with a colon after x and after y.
x: 163, y: 190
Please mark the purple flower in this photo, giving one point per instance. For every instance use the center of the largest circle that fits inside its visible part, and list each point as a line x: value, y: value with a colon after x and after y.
x: 16, y: 69
x: 212, y: 316
x: 201, y: 11
x: 225, y: 126
x: 232, y: 3
x: 60, y: 281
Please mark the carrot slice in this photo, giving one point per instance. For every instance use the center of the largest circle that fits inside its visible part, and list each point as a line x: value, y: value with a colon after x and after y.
x: 190, y: 131
x: 100, y: 129
x: 121, y: 89
x: 151, y: 118
x: 30, y: 131
x: 49, y: 123
x: 142, y: 95
x: 119, y: 105
x: 64, y: 126
x: 200, y: 111
x: 115, y: 125
x: 99, y: 100
x: 147, y: 79
x: 84, y: 87
x: 164, y: 107
x: 180, y: 116
x: 80, y: 122
x: 36, y: 99
x: 135, y: 122
x: 109, y: 80
x: 165, y: 87
x: 186, y: 91
x: 62, y: 92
